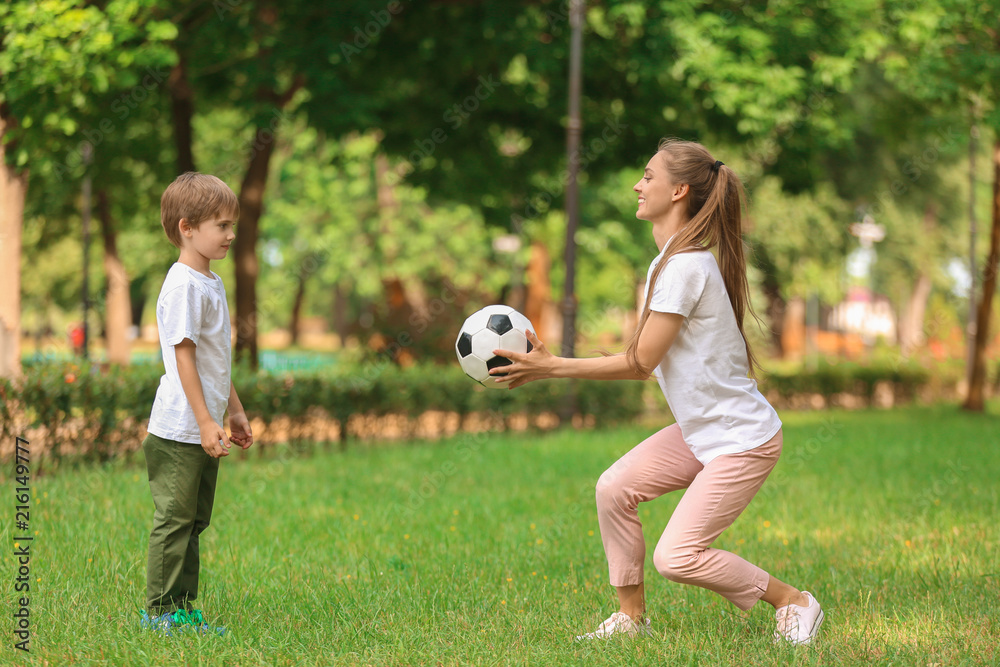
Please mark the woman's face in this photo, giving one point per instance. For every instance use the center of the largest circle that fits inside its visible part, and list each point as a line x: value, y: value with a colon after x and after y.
x: 655, y: 189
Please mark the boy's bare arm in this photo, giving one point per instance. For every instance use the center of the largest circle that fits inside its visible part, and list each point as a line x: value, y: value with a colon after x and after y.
x: 211, y: 432
x: 239, y: 425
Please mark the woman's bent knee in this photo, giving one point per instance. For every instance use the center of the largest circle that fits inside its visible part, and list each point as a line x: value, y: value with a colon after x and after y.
x: 609, y: 492
x: 676, y: 564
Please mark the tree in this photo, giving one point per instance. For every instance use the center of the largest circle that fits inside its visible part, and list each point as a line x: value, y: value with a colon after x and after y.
x: 764, y: 81
x: 13, y: 186
x: 51, y: 83
x: 335, y: 222
x: 948, y: 52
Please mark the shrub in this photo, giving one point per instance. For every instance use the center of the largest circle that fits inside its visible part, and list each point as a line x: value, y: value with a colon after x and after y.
x: 83, y: 406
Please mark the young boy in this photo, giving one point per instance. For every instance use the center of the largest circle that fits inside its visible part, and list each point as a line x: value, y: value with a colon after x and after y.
x: 186, y: 438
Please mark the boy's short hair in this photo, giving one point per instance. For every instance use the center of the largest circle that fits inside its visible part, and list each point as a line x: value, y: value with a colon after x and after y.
x: 196, y: 197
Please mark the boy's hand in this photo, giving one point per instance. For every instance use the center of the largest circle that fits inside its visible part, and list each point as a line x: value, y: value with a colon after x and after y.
x: 214, y: 440
x: 239, y: 427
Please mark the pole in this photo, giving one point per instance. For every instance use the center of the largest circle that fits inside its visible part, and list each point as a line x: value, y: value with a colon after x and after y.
x: 573, y: 133
x: 87, y: 156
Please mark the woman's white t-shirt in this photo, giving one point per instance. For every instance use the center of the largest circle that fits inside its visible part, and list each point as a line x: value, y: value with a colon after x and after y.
x: 704, y: 373
x: 192, y: 305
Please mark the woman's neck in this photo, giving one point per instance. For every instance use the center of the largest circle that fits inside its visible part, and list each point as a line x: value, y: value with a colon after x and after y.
x: 666, y: 227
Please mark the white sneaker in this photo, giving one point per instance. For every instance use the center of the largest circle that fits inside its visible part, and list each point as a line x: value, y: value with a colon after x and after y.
x: 797, y: 624
x: 619, y: 623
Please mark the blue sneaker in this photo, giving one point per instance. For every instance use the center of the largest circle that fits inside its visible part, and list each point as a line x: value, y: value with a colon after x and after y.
x: 195, y: 619
x: 164, y: 623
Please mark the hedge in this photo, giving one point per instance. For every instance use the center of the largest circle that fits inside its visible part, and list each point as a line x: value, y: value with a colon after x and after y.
x: 96, y: 412
x: 93, y: 411
x: 829, y: 379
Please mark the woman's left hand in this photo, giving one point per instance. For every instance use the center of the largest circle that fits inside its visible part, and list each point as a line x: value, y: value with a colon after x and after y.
x: 526, y: 366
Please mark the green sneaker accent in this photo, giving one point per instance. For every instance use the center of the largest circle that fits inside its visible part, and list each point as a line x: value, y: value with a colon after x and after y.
x: 196, y: 619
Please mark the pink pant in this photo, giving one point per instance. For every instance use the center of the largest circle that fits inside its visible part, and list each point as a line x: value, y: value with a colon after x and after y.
x: 716, y: 494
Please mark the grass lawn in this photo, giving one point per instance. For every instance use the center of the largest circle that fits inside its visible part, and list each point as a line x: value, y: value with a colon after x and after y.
x: 485, y: 550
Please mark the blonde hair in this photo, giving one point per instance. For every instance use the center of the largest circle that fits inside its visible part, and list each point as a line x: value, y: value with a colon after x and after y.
x: 195, y: 197
x: 716, y: 201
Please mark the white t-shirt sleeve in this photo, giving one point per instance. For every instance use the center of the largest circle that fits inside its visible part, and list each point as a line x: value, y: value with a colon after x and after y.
x: 183, y: 311
x: 679, y: 287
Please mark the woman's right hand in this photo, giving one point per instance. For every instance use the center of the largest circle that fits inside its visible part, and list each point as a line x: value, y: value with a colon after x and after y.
x: 526, y: 366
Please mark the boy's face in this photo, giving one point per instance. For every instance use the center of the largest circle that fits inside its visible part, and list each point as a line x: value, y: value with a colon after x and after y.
x: 212, y: 238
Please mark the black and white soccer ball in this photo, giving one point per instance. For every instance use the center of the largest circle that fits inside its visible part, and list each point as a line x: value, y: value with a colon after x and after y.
x: 492, y: 328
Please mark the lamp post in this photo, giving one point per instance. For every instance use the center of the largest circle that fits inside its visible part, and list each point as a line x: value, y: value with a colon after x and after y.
x: 87, y: 150
x: 573, y: 132
x: 869, y: 233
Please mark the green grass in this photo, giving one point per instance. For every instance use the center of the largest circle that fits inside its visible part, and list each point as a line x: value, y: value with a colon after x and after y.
x: 485, y: 550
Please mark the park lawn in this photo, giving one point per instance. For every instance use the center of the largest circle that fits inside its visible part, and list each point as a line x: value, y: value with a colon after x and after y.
x: 485, y: 550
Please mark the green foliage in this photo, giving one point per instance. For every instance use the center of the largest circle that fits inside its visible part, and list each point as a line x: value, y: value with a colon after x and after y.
x: 822, y: 109
x: 59, y: 61
x: 946, y: 51
x: 341, y: 220
x: 799, y: 241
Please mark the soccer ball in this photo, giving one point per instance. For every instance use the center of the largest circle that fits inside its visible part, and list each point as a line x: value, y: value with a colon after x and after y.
x: 492, y: 328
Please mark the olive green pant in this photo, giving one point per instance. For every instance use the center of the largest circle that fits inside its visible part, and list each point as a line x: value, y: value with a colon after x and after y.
x: 182, y: 479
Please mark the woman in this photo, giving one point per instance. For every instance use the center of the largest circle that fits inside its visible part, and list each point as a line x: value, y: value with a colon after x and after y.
x: 727, y: 437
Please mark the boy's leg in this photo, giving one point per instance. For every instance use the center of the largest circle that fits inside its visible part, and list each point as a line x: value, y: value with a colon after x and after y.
x: 188, y: 582
x: 659, y: 464
x: 713, y: 501
x: 174, y: 474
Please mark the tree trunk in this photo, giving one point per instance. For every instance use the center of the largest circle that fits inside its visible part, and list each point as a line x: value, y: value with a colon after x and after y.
x: 775, y: 313
x: 295, y: 319
x: 118, y: 307
x: 340, y: 321
x: 247, y: 267
x: 538, y: 294
x: 182, y: 110
x: 775, y: 300
x: 137, y: 301
x: 388, y: 209
x: 251, y: 207
x: 911, y: 323
x: 793, y: 329
x: 13, y: 189
x: 977, y: 378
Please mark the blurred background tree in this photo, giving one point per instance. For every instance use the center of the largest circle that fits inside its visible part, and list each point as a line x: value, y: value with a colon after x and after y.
x: 399, y: 164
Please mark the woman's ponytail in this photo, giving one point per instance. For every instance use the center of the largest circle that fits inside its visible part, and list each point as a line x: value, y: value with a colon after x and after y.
x: 715, y: 203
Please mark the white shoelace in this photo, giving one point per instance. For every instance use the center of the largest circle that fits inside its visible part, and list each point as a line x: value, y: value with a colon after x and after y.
x: 788, y: 620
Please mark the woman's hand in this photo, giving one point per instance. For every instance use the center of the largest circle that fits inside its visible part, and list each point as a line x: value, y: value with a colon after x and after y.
x: 525, y: 367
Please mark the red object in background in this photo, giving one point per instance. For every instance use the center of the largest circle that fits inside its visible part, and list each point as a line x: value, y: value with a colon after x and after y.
x: 76, y: 338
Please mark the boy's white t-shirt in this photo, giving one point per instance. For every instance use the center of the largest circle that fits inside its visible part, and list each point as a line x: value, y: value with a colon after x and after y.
x: 704, y: 373
x: 191, y: 305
